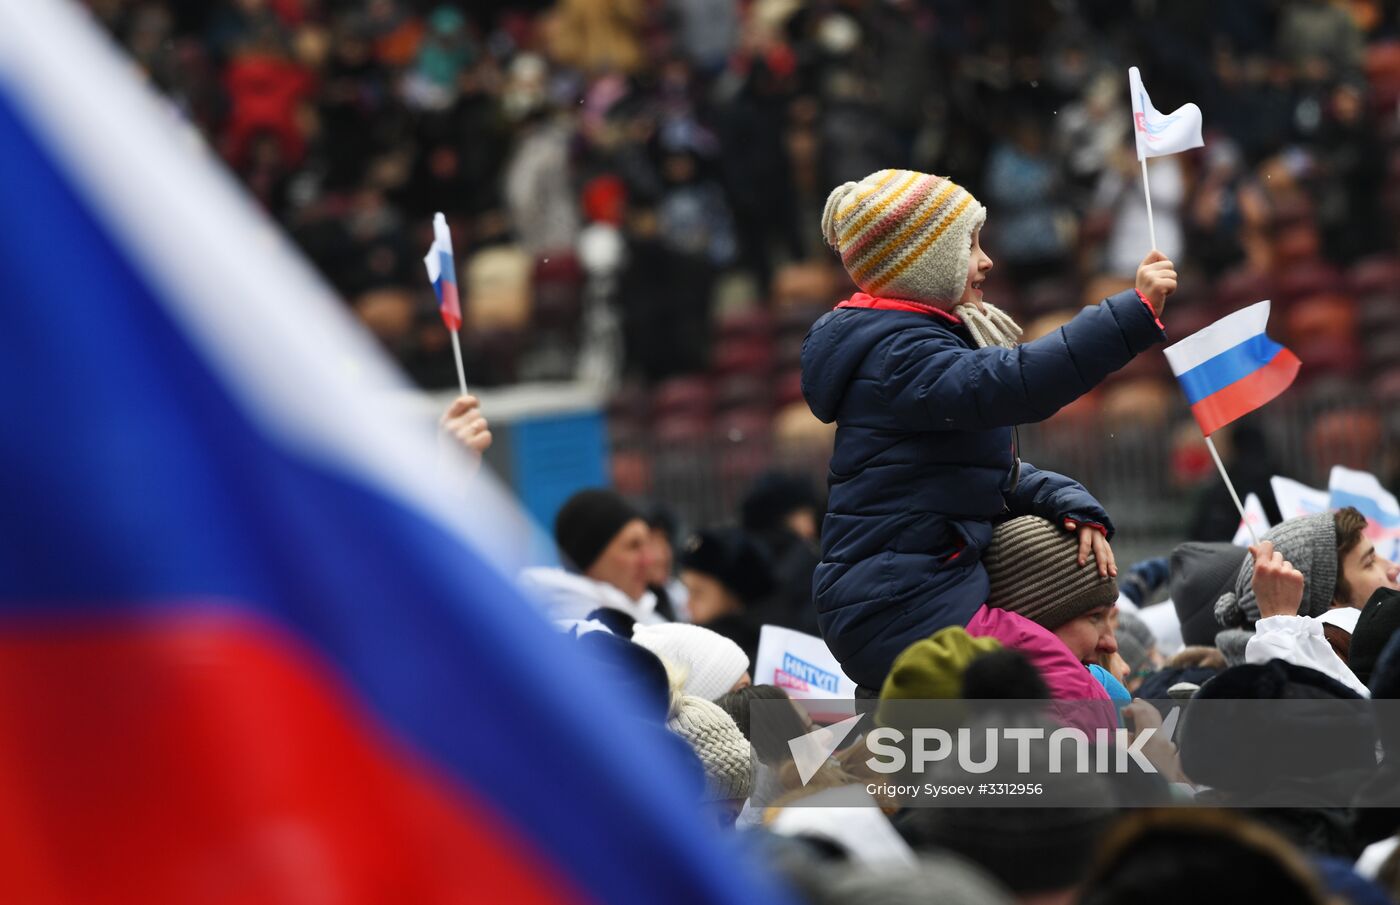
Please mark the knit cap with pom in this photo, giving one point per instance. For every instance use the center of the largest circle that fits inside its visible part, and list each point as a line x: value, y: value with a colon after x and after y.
x: 723, y: 751
x: 903, y: 234
x: 1309, y: 542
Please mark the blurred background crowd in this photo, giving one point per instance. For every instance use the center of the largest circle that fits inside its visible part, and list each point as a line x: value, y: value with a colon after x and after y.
x: 635, y: 189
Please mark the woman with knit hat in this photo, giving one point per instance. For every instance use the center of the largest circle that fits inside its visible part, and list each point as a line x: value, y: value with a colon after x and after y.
x: 926, y: 383
x: 1042, y: 603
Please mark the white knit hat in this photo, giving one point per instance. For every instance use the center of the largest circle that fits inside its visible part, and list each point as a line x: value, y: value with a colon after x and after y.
x: 723, y: 751
x: 711, y: 662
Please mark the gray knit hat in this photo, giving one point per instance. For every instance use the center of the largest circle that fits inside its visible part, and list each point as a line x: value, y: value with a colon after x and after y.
x: 1309, y: 542
x: 1033, y: 568
x: 1135, y: 640
x: 723, y: 751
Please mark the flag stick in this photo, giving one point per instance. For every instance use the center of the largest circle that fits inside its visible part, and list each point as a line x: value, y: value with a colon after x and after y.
x: 1210, y: 444
x: 462, y: 375
x: 1152, y: 232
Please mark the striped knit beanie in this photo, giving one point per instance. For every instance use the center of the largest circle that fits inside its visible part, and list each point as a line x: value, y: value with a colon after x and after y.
x: 1034, y: 570
x: 903, y: 234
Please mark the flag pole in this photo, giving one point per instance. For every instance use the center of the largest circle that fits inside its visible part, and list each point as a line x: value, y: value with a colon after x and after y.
x: 462, y: 374
x: 1152, y: 232
x: 1214, y: 454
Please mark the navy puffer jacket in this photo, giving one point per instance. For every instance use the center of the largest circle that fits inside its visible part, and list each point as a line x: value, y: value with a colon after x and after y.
x: 923, y: 464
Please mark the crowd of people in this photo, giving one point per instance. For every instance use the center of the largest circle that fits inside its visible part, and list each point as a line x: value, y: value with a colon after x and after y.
x: 945, y: 568
x: 1311, y: 614
x: 643, y: 173
x: 673, y: 156
x: 635, y: 190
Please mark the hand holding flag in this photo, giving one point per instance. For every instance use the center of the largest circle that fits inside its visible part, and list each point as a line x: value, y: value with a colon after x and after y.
x: 442, y: 272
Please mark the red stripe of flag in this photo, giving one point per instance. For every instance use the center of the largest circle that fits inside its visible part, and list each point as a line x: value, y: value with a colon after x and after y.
x: 1246, y: 394
x: 212, y: 760
x: 448, y: 305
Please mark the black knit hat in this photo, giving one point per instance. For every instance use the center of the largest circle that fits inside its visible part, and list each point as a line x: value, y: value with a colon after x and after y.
x: 733, y: 559
x: 587, y: 523
x: 1377, y: 624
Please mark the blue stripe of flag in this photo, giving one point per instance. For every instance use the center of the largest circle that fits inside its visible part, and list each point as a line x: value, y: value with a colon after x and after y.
x: 1236, y: 363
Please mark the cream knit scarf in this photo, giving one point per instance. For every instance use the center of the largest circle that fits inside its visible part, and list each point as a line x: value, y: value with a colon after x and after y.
x: 992, y: 327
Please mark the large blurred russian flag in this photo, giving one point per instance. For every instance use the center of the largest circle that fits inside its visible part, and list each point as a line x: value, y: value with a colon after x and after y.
x: 249, y: 652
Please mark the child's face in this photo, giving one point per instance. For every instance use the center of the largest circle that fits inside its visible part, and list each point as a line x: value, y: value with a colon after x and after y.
x: 978, y: 264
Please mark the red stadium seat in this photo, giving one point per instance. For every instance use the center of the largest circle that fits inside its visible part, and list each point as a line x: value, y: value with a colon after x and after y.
x: 1350, y: 438
x: 1329, y: 315
x: 743, y: 356
x: 1306, y: 278
x: 1375, y: 275
x: 682, y: 429
x: 789, y: 389
x: 691, y: 395
x: 753, y: 324
x: 1385, y: 388
x: 740, y: 390
x: 1241, y: 287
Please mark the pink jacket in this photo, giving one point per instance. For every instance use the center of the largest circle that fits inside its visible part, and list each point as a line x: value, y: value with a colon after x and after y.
x: 1067, y: 678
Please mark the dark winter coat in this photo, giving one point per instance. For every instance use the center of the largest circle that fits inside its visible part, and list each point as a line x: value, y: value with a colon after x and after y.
x: 924, y: 465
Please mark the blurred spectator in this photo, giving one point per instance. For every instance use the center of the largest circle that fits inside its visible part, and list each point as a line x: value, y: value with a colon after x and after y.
x: 783, y: 512
x: 1028, y: 216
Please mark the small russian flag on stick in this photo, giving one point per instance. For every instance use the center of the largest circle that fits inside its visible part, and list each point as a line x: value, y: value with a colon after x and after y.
x: 442, y: 272
x: 1228, y: 370
x: 1160, y: 134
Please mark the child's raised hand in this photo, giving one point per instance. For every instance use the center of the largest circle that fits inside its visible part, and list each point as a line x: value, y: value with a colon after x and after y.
x: 1092, y: 540
x: 1156, y: 279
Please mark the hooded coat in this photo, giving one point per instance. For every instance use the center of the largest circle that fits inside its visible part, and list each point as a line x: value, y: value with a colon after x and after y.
x: 924, y: 464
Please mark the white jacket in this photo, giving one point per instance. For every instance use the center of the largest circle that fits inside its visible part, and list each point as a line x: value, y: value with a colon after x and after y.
x: 564, y: 596
x: 1299, y: 640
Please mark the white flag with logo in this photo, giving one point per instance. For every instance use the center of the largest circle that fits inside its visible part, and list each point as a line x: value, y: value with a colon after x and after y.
x: 1295, y: 499
x: 1159, y: 134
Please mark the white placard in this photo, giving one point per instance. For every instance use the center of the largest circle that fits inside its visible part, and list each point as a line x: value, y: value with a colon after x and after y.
x: 800, y: 664
x: 849, y: 817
